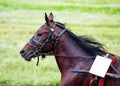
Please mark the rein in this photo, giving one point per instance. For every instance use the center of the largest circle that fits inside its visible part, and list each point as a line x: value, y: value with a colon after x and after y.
x: 51, y: 37
x: 67, y: 56
x: 38, y: 51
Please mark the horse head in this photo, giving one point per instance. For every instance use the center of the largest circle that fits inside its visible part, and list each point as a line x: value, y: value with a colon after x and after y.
x: 44, y: 40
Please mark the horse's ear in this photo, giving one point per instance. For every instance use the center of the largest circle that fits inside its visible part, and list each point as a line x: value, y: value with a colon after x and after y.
x: 51, y: 17
x: 46, y: 19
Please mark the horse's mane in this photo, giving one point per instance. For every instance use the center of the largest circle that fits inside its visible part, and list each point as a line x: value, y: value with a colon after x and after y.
x: 89, y: 45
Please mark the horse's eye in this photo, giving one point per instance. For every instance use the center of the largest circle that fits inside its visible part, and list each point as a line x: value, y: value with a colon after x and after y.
x: 39, y: 34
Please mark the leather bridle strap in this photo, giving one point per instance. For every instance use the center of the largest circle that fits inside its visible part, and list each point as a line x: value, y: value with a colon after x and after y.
x: 35, y: 43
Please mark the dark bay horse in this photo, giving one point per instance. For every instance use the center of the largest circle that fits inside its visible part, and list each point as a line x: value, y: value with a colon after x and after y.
x: 70, y: 52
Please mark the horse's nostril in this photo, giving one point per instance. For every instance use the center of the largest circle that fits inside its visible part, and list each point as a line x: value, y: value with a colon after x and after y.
x: 22, y: 52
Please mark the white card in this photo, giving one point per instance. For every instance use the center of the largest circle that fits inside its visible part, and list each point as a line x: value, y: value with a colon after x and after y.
x: 100, y: 66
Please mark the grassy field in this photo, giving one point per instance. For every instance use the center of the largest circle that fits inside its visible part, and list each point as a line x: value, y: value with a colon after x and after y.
x: 19, y: 20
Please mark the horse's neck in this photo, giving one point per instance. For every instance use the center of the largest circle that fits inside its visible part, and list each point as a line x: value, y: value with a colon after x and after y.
x: 68, y: 48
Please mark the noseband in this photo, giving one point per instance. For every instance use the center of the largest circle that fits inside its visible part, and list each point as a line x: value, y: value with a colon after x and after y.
x: 54, y: 40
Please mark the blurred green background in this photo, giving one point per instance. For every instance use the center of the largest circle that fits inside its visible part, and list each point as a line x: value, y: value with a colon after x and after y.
x: 20, y: 19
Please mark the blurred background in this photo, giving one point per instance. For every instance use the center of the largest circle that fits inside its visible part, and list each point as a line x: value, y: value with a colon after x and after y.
x: 20, y: 19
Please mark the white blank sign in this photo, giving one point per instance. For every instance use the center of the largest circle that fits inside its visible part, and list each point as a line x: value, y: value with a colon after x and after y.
x: 100, y: 66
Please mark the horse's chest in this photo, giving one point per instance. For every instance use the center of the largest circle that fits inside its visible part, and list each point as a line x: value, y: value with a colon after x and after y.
x: 71, y: 79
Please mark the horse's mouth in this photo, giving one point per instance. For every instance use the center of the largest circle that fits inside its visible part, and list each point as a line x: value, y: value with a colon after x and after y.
x: 29, y: 56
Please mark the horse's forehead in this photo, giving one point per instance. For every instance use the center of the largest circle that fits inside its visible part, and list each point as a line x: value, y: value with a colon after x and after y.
x: 42, y: 29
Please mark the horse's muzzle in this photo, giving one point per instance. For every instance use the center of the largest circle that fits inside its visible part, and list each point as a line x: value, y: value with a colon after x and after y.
x: 27, y: 56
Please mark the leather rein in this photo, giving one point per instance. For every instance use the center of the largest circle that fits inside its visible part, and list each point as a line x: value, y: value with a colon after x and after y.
x: 38, y: 51
x: 50, y: 37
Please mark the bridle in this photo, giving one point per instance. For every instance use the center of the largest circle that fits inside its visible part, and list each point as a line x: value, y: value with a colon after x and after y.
x: 54, y: 40
x: 51, y: 37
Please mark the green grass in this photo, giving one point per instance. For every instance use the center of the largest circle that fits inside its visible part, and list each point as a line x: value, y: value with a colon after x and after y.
x: 19, y: 20
x: 110, y: 7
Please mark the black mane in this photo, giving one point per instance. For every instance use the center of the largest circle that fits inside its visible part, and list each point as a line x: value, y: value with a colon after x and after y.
x: 88, y: 45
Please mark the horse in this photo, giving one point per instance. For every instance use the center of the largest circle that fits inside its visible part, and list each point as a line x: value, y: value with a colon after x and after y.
x: 70, y: 51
